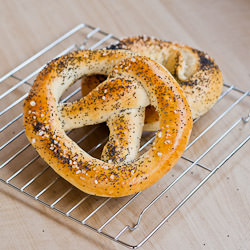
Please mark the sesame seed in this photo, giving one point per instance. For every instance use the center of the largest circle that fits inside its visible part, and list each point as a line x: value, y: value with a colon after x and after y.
x: 159, y: 153
x: 33, y: 140
x: 105, y: 91
x: 133, y: 59
x: 34, y: 117
x: 78, y: 171
x: 133, y: 171
x: 96, y: 182
x: 32, y: 103
x: 167, y: 141
x: 42, y: 115
x: 94, y: 169
x: 29, y: 111
x: 83, y: 171
x: 74, y: 162
x: 103, y: 98
x: 105, y: 167
x: 112, y: 176
x: 159, y: 134
x: 109, y: 161
x: 82, y: 178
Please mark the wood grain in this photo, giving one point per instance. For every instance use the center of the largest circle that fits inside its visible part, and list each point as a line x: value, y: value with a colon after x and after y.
x: 218, y: 216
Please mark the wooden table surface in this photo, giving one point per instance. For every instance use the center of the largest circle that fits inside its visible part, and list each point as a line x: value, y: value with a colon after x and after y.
x: 219, y: 217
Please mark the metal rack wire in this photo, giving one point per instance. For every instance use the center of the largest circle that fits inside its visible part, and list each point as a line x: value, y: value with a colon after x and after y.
x: 13, y: 90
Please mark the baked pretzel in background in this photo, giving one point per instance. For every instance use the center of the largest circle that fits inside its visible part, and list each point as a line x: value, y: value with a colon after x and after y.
x: 195, y: 71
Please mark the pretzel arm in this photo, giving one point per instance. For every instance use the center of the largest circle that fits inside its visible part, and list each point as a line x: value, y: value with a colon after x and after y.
x: 125, y: 135
x: 103, y: 102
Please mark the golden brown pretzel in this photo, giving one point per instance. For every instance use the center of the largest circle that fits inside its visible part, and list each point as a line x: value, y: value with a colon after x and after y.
x: 196, y: 72
x: 45, y: 130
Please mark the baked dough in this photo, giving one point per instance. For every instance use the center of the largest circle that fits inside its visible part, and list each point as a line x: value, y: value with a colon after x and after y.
x: 44, y: 120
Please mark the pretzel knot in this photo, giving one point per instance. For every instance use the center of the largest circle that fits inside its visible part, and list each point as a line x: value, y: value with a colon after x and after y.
x: 133, y: 83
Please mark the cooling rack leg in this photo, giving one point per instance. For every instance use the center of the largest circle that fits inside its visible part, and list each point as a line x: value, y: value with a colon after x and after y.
x: 118, y: 212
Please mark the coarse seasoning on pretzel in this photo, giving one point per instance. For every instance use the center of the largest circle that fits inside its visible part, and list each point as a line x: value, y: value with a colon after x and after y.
x: 133, y: 82
x: 195, y: 71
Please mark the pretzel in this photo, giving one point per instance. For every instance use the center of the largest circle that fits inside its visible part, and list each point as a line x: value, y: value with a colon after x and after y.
x: 144, y: 81
x: 196, y: 72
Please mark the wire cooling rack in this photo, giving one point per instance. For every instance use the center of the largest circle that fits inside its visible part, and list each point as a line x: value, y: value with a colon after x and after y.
x: 216, y: 138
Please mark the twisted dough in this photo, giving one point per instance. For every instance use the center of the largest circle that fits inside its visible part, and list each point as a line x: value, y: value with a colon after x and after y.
x: 196, y: 72
x: 149, y: 81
